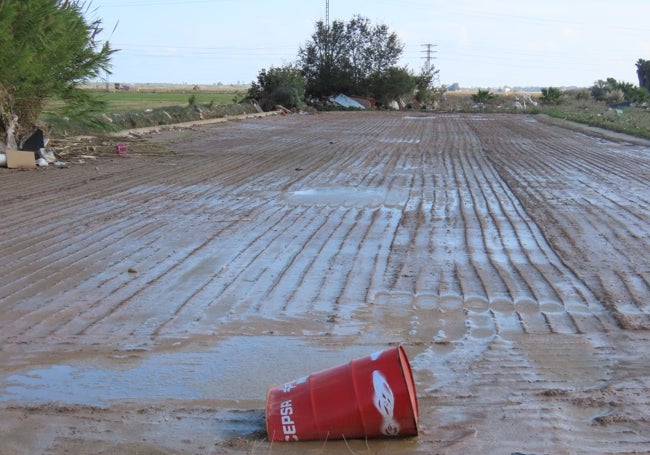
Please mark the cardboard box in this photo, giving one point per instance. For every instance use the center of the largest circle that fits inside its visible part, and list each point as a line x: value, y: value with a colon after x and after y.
x: 17, y: 159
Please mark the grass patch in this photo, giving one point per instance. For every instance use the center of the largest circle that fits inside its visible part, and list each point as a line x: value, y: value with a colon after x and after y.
x: 122, y: 101
x: 629, y: 120
x: 573, y: 106
x: 150, y: 106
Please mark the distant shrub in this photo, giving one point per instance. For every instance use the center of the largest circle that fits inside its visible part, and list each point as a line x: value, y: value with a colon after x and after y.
x: 284, y: 85
x: 551, y: 95
x: 482, y: 96
x: 615, y: 96
x: 635, y: 94
x: 613, y: 91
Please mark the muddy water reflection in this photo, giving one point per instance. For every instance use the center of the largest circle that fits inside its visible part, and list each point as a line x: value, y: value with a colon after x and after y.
x: 349, y: 197
x: 240, y: 368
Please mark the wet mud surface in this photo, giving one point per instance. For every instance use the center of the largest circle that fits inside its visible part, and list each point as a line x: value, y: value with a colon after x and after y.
x: 148, y: 302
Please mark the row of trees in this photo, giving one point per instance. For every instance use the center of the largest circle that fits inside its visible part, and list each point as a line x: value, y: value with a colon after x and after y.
x: 354, y: 57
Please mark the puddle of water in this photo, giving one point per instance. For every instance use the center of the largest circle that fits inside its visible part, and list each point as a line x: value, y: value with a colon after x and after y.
x: 337, y: 196
x: 399, y: 140
x: 420, y: 117
x: 241, y: 368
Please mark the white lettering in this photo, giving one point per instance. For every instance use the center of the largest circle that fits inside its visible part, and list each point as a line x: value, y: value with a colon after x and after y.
x: 288, y: 425
x: 288, y: 386
x: 384, y: 401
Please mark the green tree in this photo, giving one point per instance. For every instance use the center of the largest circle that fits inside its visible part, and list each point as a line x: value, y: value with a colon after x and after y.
x: 600, y: 90
x: 394, y: 82
x: 284, y: 85
x: 424, y: 84
x: 348, y: 57
x: 48, y: 49
x: 323, y: 60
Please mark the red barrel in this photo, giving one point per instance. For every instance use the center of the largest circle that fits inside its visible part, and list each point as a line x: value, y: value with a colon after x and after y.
x: 370, y: 397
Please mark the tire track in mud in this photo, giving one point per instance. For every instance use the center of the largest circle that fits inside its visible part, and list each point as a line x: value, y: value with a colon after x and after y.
x: 455, y: 212
x: 122, y: 230
x: 477, y: 241
x: 588, y: 208
x: 117, y: 232
x: 508, y: 266
x: 520, y: 382
x: 117, y: 200
x: 244, y: 295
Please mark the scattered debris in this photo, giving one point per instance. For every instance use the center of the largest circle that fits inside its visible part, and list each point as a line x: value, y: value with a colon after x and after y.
x: 47, y: 155
x: 31, y: 153
x: 35, y: 142
x: 17, y: 159
x: 620, y: 105
x: 283, y: 110
x: 258, y: 108
x: 346, y: 101
x: 368, y: 103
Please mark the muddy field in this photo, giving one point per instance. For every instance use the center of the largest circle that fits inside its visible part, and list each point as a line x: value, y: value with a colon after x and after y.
x: 148, y: 302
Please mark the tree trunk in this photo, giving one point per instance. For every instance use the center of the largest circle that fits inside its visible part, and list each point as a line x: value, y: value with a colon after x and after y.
x: 8, y: 122
x: 12, y: 128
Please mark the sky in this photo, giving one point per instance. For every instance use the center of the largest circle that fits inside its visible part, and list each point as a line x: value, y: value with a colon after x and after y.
x: 515, y: 43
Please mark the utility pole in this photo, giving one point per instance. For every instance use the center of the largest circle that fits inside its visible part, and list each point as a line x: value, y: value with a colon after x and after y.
x: 429, y: 51
x: 327, y: 14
